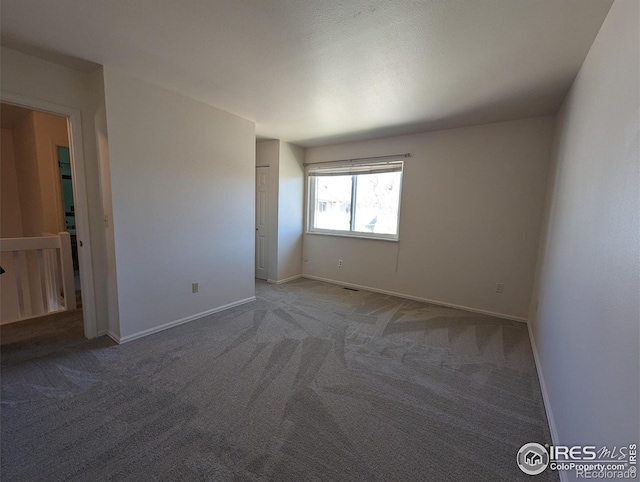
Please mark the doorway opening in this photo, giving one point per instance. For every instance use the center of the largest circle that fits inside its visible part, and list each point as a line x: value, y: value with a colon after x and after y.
x: 41, y: 287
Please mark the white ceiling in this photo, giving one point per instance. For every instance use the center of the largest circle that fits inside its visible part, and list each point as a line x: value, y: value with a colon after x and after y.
x: 314, y: 72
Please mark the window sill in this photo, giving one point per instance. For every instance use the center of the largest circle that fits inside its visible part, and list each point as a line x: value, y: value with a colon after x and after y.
x: 353, y: 236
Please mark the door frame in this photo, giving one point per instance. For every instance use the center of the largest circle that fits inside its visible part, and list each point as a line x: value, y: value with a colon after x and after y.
x: 74, y: 126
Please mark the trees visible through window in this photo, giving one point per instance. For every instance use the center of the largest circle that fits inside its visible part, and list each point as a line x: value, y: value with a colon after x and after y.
x: 357, y: 199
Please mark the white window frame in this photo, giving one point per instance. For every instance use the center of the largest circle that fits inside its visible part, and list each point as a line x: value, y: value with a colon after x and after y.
x: 354, y: 168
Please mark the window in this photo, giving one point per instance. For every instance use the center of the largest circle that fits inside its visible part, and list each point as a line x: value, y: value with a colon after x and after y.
x: 356, y: 199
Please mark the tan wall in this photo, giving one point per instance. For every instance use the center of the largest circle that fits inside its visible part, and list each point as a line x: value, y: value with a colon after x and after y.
x: 28, y: 177
x: 11, y: 223
x: 33, y: 189
x: 50, y: 132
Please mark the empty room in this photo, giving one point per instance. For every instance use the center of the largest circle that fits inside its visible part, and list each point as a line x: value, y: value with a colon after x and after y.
x: 320, y: 240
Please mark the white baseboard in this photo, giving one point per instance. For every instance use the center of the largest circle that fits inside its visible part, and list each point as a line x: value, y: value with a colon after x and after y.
x: 124, y: 339
x: 417, y: 298
x: 286, y: 280
x: 555, y: 439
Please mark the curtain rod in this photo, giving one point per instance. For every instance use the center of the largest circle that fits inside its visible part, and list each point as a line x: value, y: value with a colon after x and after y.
x: 406, y: 154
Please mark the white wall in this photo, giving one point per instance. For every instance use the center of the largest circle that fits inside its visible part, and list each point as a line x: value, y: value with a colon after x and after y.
x: 290, y: 211
x: 286, y: 205
x: 182, y: 177
x: 586, y: 329
x: 34, y: 78
x: 96, y: 82
x: 472, y: 204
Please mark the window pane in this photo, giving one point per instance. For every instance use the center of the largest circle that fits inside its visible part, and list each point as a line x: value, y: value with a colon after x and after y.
x: 332, y: 202
x: 377, y: 201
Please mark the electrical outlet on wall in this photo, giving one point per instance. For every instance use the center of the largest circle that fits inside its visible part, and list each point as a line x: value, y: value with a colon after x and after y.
x: 194, y: 287
x: 339, y: 262
x: 499, y: 288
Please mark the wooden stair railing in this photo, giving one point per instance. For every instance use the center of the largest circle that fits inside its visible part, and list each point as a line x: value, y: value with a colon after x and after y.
x: 39, y: 274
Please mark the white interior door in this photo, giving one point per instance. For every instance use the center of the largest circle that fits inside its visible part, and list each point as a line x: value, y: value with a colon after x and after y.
x: 262, y: 226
